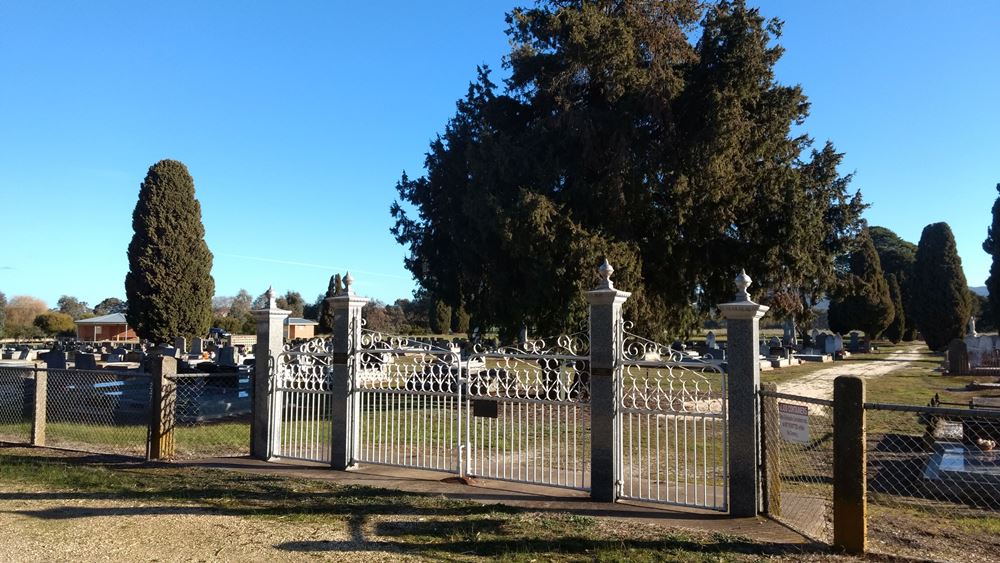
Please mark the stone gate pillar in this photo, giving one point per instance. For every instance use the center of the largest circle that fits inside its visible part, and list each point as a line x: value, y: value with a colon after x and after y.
x: 345, y: 408
x: 605, y: 385
x: 264, y: 402
x: 743, y: 383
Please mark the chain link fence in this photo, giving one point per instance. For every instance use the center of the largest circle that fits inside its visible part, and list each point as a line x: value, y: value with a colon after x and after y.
x: 797, y: 456
x: 17, y: 397
x: 99, y: 411
x: 212, y: 415
x: 931, y: 471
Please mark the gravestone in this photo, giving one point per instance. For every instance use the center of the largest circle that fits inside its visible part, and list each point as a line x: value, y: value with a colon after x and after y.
x: 774, y: 342
x: 710, y: 341
x: 820, y: 341
x: 197, y: 346
x: 55, y: 359
x: 838, y: 343
x: 764, y: 350
x: 830, y: 344
x: 788, y: 333
x: 135, y: 356
x: 86, y: 361
x: 855, y: 346
x: 227, y: 356
x: 181, y: 344
x: 958, y: 358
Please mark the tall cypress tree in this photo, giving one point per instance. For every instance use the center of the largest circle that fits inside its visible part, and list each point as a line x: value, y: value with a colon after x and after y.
x: 169, y: 285
x: 864, y: 301
x: 992, y: 247
x: 897, y: 328
x: 940, y: 293
x: 325, y: 309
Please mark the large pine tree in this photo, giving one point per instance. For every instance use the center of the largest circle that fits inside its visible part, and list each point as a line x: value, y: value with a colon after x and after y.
x: 169, y: 285
x: 940, y: 305
x: 616, y: 136
x: 992, y: 247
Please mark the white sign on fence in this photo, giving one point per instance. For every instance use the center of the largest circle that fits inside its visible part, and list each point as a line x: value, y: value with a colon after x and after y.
x: 794, y: 423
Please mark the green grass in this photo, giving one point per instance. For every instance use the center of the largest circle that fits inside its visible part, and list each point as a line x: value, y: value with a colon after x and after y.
x: 388, y: 521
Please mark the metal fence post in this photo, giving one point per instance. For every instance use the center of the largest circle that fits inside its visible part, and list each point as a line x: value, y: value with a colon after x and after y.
x: 743, y: 375
x: 265, y: 402
x: 850, y: 495
x: 605, y: 355
x: 769, y: 458
x: 38, y: 415
x: 162, y: 406
x: 345, y: 409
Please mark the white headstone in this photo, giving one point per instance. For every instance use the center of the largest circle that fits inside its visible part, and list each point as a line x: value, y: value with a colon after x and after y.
x: 710, y: 340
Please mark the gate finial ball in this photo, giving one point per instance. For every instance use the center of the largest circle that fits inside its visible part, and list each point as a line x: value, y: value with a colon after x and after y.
x: 605, y: 270
x: 743, y: 281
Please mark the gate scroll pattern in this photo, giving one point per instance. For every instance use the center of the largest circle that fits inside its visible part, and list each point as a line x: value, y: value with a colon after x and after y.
x: 672, y: 425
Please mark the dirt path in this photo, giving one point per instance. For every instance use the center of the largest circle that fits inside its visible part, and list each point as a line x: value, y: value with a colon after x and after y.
x: 819, y: 384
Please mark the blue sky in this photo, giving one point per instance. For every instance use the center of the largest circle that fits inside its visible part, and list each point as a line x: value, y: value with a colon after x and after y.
x: 297, y: 118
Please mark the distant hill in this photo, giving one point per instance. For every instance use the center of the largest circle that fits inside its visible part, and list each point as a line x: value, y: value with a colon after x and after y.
x: 981, y: 290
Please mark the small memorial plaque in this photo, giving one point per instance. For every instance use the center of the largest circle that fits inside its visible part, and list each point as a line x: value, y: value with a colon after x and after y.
x: 484, y: 408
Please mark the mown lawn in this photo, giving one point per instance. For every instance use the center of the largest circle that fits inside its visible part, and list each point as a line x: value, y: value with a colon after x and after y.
x: 429, y: 527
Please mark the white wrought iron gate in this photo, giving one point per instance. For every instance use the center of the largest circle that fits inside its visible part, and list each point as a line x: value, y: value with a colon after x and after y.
x: 672, y: 427
x: 301, y: 426
x: 530, y: 412
x: 410, y: 403
x: 514, y: 413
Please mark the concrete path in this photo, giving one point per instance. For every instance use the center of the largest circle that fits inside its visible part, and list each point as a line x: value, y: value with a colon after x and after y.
x: 819, y: 384
x: 529, y: 497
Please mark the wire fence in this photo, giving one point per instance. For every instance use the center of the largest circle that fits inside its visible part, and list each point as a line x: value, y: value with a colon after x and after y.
x: 797, y: 454
x: 931, y: 469
x: 212, y: 415
x: 17, y: 397
x: 98, y: 411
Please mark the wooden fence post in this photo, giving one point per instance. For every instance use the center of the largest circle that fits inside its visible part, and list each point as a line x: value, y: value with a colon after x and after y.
x: 850, y: 496
x: 163, y: 404
x: 769, y: 458
x: 41, y: 386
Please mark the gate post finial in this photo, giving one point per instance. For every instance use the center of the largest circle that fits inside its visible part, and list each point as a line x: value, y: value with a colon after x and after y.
x: 743, y: 376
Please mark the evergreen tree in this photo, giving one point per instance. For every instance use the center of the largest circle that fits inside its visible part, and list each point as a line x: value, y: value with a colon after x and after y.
x: 292, y: 301
x: 169, y: 286
x: 897, y: 328
x: 440, y: 317
x: 992, y: 247
x: 897, y: 257
x: 610, y: 107
x: 459, y: 320
x: 326, y: 310
x: 3, y: 313
x: 109, y: 306
x: 941, y: 305
x: 864, y: 301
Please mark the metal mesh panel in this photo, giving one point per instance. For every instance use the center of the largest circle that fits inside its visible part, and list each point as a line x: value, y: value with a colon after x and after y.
x: 931, y: 469
x: 16, y: 404
x: 98, y: 411
x: 797, y: 451
x: 212, y: 415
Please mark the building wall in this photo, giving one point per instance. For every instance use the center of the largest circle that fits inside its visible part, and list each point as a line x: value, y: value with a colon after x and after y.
x: 102, y: 332
x: 301, y: 331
